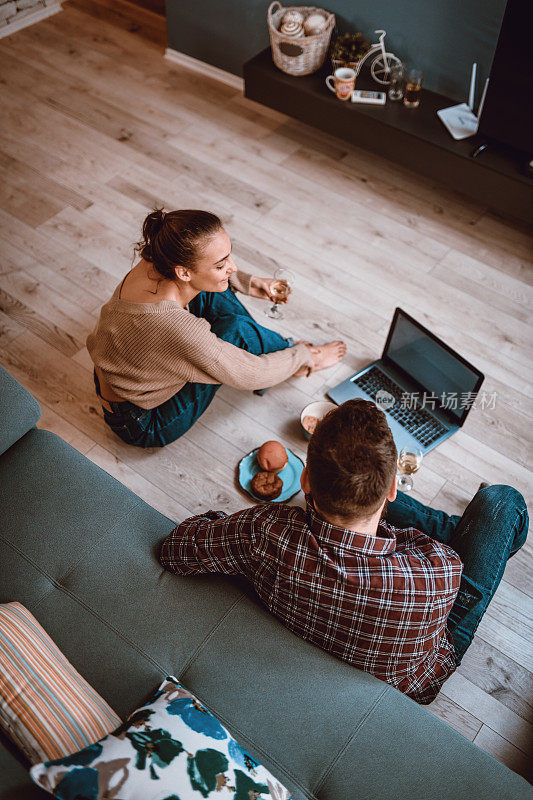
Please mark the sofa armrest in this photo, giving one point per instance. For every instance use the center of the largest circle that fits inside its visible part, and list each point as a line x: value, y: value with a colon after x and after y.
x: 19, y: 410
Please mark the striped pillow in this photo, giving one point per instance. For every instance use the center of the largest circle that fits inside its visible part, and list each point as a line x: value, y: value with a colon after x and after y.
x: 46, y: 708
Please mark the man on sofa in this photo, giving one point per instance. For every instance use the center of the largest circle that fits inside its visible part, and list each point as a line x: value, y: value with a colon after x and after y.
x: 399, y: 598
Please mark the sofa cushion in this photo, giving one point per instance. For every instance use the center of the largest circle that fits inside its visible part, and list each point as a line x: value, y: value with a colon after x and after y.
x: 78, y: 550
x: 329, y: 731
x: 173, y: 747
x: 19, y: 411
x: 46, y: 707
x: 417, y: 756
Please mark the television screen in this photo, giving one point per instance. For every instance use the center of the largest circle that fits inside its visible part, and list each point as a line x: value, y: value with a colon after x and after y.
x: 507, y: 115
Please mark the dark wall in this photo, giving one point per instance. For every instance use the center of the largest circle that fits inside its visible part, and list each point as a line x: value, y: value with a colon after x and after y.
x: 441, y: 37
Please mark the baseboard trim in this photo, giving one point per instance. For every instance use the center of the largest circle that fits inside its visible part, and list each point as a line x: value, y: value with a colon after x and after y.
x: 205, y: 69
x: 29, y: 19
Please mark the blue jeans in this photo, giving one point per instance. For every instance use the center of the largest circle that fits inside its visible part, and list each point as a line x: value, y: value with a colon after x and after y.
x: 492, y: 529
x: 230, y: 321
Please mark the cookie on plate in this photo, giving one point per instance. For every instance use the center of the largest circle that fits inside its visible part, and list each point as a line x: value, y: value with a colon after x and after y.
x: 267, y: 485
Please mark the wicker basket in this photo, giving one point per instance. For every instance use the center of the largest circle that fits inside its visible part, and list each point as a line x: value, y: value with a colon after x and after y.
x: 302, y: 55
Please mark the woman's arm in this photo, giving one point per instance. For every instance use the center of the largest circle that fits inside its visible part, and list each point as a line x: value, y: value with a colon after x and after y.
x: 243, y: 370
x: 208, y: 356
x: 254, y: 286
x: 241, y: 281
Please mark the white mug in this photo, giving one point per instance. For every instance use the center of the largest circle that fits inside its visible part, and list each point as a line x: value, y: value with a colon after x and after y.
x: 343, y: 82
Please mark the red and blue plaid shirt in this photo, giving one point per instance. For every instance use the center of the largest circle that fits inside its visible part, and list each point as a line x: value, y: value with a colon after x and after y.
x: 378, y: 602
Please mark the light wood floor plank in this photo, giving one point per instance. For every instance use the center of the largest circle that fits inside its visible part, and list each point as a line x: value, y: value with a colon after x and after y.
x: 298, y: 133
x: 148, y: 25
x: 51, y: 421
x: 404, y: 285
x: 394, y: 239
x: 391, y: 201
x: 63, y: 286
x: 512, y: 608
x: 23, y: 173
x: 515, y: 237
x: 92, y: 239
x: 495, y: 467
x: 500, y: 748
x: 25, y: 203
x: 142, y: 487
x: 9, y: 328
x: 489, y: 710
x: 499, y: 676
x: 12, y: 258
x: 52, y: 305
x: 57, y: 381
x: 33, y: 248
x: 519, y: 571
x: 454, y: 715
x: 494, y: 287
x: 510, y: 253
x: 46, y: 330
x: 511, y: 643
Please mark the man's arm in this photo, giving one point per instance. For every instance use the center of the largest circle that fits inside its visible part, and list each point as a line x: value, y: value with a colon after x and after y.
x: 211, y: 542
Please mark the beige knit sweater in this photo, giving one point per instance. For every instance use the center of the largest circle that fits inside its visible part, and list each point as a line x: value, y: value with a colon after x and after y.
x: 148, y: 351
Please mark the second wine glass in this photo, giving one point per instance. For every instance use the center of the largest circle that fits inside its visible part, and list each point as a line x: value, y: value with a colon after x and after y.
x: 409, y: 461
x: 280, y: 289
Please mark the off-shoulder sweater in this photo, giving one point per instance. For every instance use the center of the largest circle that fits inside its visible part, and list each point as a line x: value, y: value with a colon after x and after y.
x: 148, y: 351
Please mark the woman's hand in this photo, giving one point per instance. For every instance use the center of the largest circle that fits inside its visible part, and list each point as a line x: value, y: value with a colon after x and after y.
x: 261, y: 287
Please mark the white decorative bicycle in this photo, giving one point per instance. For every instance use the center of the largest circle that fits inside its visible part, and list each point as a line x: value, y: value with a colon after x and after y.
x: 382, y: 61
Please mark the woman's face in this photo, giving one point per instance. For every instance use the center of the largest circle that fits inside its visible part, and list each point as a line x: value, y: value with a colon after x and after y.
x: 214, y: 264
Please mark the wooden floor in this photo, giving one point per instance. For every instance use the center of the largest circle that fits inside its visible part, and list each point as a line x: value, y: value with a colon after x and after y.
x: 97, y: 128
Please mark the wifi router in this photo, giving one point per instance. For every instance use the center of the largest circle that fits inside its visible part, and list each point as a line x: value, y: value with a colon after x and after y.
x: 460, y: 120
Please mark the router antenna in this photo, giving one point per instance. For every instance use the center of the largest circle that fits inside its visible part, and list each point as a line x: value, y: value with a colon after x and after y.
x: 480, y: 109
x: 472, y: 87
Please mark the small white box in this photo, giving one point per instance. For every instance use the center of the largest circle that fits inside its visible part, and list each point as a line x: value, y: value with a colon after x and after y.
x: 366, y: 96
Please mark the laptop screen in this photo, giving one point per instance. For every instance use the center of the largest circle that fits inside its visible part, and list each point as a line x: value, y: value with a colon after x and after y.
x: 436, y: 368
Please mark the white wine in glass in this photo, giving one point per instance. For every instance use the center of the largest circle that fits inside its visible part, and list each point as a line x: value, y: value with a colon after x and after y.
x: 409, y: 461
x: 280, y: 289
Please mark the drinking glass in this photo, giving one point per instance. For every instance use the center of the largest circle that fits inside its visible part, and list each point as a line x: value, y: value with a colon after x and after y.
x: 281, y: 288
x: 409, y: 461
x: 411, y: 98
x: 396, y: 82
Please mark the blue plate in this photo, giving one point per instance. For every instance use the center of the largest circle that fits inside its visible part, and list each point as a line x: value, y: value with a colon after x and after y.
x: 290, y: 475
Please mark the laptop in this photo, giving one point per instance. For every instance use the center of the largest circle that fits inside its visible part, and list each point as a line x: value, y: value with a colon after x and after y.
x: 424, y: 387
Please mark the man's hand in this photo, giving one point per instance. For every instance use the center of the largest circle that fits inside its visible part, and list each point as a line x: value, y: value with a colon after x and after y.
x: 260, y: 287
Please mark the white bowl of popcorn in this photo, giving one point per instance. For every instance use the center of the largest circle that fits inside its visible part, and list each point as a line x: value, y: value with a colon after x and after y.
x: 312, y: 414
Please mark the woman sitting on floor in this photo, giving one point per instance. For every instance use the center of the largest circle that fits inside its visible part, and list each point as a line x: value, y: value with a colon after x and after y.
x: 174, y: 331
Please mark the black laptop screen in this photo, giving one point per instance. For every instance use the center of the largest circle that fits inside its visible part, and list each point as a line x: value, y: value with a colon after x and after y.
x: 439, y: 371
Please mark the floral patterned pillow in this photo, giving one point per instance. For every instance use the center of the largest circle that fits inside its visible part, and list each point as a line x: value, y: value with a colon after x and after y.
x: 172, y: 748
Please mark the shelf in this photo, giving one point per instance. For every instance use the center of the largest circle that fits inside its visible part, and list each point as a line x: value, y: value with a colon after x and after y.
x: 414, y: 138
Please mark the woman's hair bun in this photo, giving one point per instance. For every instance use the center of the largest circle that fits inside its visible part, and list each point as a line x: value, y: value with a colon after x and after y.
x: 153, y: 224
x: 175, y: 237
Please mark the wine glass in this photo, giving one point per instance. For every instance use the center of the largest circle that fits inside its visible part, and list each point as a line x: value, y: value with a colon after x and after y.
x: 396, y: 82
x: 409, y: 461
x: 281, y: 288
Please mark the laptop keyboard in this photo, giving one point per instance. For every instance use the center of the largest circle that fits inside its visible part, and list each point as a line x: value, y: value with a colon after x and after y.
x: 425, y: 428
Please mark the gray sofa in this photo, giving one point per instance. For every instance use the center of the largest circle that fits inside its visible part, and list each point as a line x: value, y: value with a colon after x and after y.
x: 79, y: 550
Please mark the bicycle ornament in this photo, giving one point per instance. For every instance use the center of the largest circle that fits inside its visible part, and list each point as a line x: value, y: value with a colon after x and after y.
x: 381, y: 61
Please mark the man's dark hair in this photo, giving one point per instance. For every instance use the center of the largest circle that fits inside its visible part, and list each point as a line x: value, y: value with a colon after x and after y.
x: 351, y: 460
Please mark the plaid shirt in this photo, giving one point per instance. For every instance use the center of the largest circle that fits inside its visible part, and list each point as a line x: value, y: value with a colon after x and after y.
x: 378, y: 602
